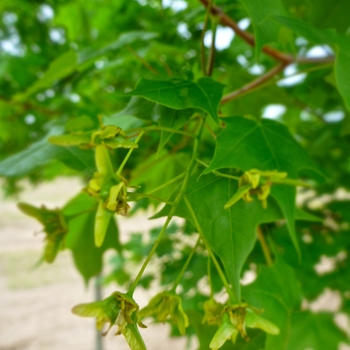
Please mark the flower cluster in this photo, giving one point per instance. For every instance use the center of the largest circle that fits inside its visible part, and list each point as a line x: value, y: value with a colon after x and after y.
x: 118, y: 309
x: 256, y: 182
x: 110, y: 190
x: 164, y: 306
x: 110, y: 136
x: 55, y: 227
x: 233, y: 320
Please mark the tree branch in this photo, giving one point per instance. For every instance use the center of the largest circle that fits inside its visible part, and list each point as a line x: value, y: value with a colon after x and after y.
x: 254, y: 84
x: 249, y: 38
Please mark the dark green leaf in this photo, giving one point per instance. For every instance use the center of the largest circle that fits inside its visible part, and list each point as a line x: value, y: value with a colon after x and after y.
x: 148, y: 110
x: 315, y: 331
x: 123, y: 40
x: 205, y: 94
x: 229, y: 233
x: 58, y: 69
x: 266, y: 30
x: 277, y: 292
x: 266, y: 145
x: 37, y: 154
x: 342, y: 74
x: 80, y: 238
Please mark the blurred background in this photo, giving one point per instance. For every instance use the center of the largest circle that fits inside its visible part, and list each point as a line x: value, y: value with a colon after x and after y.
x: 35, y: 301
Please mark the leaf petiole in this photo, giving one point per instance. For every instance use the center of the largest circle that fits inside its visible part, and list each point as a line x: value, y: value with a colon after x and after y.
x: 218, y: 173
x: 146, y: 195
x: 167, y: 183
x: 120, y: 169
x: 177, y: 200
x: 162, y: 128
x: 228, y: 288
x: 184, y: 268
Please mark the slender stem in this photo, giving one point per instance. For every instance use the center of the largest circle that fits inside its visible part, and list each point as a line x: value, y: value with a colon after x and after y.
x: 142, y: 60
x: 228, y: 288
x: 316, y: 60
x: 155, y: 245
x: 149, y: 165
x: 167, y: 183
x: 211, y: 58
x: 249, y: 38
x: 120, y: 169
x: 184, y: 268
x: 232, y: 177
x: 264, y: 247
x: 209, y: 278
x: 218, y: 173
x: 133, y: 135
x: 176, y: 202
x: 254, y: 84
x: 257, y: 84
x: 98, y: 297
x: 202, y: 163
x: 160, y: 128
x: 211, y: 132
x: 146, y: 195
x: 73, y: 216
x: 202, y: 37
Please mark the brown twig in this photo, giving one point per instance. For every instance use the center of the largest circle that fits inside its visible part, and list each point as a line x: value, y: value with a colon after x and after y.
x: 254, y: 84
x: 26, y: 106
x: 211, y: 132
x: 249, y: 38
x: 208, y: 6
x: 212, y: 51
x: 142, y: 60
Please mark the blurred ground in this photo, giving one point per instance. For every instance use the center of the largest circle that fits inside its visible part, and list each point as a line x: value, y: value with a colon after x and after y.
x: 35, y: 303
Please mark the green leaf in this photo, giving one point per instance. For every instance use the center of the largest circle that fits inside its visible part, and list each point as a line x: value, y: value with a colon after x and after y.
x: 304, y: 29
x: 277, y: 292
x: 322, y: 13
x: 238, y: 195
x: 77, y: 159
x: 230, y: 233
x: 80, y: 238
x: 41, y: 152
x: 172, y: 118
x: 123, y: 40
x: 342, y: 67
x: 315, y: 331
x: 155, y: 171
x: 205, y: 94
x: 141, y: 108
x: 266, y: 30
x: 137, y: 107
x: 37, y: 154
x: 246, y: 144
x: 58, y: 69
x: 342, y: 74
